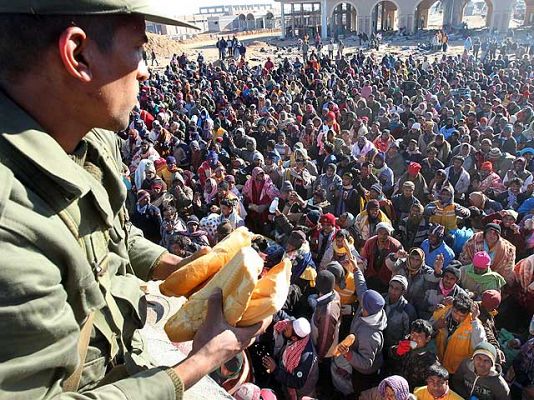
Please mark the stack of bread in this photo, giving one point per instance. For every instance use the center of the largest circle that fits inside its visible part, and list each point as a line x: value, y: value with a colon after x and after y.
x: 234, y: 266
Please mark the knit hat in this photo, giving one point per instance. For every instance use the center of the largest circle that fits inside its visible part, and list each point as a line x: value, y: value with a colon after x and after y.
x: 325, y: 282
x: 491, y: 299
x: 286, y: 187
x: 414, y: 168
x: 510, y: 213
x: 313, y: 216
x: 486, y: 166
x: 452, y: 270
x: 372, y: 204
x: 193, y: 219
x: 377, y: 188
x: 170, y: 160
x: 487, y: 349
x: 301, y: 327
x: 386, y: 226
x: 481, y: 260
x: 408, y: 184
x: 437, y: 230
x: 339, y: 273
x: 398, y: 384
x: 247, y: 391
x: 401, y: 279
x: 328, y: 219
x: 142, y: 195
x: 493, y: 226
x: 494, y: 153
x: 373, y: 302
x: 296, y: 239
x: 416, y: 125
x: 274, y: 255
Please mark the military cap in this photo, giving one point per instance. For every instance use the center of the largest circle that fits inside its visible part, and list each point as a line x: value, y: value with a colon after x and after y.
x: 153, y: 10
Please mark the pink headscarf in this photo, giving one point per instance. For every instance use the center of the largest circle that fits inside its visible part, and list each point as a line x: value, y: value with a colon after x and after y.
x: 268, y: 189
x: 208, y: 196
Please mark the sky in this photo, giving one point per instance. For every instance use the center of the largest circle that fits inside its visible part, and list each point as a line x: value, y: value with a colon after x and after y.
x: 188, y: 7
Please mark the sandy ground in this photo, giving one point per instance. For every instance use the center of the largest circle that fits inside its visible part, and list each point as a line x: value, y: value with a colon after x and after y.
x: 268, y: 44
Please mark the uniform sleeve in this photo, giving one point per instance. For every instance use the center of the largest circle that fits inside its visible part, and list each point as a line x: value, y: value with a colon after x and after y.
x: 144, y: 255
x: 39, y: 334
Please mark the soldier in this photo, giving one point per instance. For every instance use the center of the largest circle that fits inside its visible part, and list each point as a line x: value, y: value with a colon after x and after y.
x: 70, y: 303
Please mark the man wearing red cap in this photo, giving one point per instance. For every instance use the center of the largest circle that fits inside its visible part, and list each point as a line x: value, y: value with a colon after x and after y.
x: 326, y: 235
x: 413, y: 174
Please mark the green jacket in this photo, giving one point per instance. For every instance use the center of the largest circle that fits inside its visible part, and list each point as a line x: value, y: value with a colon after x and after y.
x: 50, y: 280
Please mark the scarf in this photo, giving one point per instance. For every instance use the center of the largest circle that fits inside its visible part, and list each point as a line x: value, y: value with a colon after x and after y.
x: 486, y: 279
x: 445, y: 292
x: 208, y: 196
x: 414, y: 269
x: 293, y: 353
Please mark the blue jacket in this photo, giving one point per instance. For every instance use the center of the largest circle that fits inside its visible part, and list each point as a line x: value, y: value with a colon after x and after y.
x: 430, y: 256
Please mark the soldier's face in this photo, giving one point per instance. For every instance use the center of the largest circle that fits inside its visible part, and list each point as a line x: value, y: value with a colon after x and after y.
x: 117, y: 73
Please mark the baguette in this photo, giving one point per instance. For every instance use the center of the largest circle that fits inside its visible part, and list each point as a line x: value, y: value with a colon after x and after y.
x: 237, y: 279
x: 348, y: 341
x: 199, y: 270
x: 270, y: 294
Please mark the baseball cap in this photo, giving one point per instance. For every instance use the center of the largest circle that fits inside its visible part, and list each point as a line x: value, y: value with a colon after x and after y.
x: 153, y: 10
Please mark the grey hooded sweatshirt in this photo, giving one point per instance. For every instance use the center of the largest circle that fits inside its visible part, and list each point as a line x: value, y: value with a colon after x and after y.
x: 466, y: 383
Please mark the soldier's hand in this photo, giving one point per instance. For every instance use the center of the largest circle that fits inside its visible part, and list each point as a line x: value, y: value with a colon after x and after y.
x: 219, y: 341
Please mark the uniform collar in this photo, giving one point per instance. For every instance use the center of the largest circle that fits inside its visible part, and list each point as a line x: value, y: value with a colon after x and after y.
x: 28, y: 137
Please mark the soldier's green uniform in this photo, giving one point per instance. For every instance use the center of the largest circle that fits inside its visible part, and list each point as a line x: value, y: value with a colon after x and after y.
x: 50, y: 280
x: 68, y: 253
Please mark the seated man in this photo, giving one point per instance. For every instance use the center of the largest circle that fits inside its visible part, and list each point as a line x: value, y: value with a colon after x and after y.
x: 477, y: 277
x: 413, y: 356
x: 459, y: 331
x: 437, y: 386
x: 480, y: 376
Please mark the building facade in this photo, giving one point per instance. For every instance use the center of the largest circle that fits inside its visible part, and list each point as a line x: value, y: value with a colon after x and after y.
x: 330, y: 18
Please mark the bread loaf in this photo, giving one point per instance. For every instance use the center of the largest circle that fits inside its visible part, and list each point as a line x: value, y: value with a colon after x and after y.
x: 184, y: 281
x: 348, y: 341
x: 269, y: 295
x: 237, y: 279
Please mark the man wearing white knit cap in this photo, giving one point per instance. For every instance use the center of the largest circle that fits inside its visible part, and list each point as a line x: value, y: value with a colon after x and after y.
x: 295, y: 365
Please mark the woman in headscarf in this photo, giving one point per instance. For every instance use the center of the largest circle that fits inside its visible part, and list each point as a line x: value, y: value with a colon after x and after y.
x: 210, y: 191
x: 393, y: 387
x: 419, y: 275
x: 259, y: 191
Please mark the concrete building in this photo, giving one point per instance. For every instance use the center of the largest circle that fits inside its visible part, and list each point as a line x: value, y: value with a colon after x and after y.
x: 241, y: 17
x: 332, y: 18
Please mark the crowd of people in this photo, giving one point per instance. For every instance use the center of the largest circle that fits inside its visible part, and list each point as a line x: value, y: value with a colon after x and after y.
x: 400, y: 188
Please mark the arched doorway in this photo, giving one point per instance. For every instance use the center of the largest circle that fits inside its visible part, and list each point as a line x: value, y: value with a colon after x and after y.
x: 242, y: 22
x: 384, y: 16
x: 529, y: 12
x: 343, y: 20
x: 429, y: 15
x: 251, y: 21
x: 477, y: 14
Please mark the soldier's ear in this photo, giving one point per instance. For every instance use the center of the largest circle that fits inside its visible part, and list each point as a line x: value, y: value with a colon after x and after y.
x: 73, y: 49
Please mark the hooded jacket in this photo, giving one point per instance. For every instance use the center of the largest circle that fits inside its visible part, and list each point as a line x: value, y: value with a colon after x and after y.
x: 467, y: 383
x: 367, y: 349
